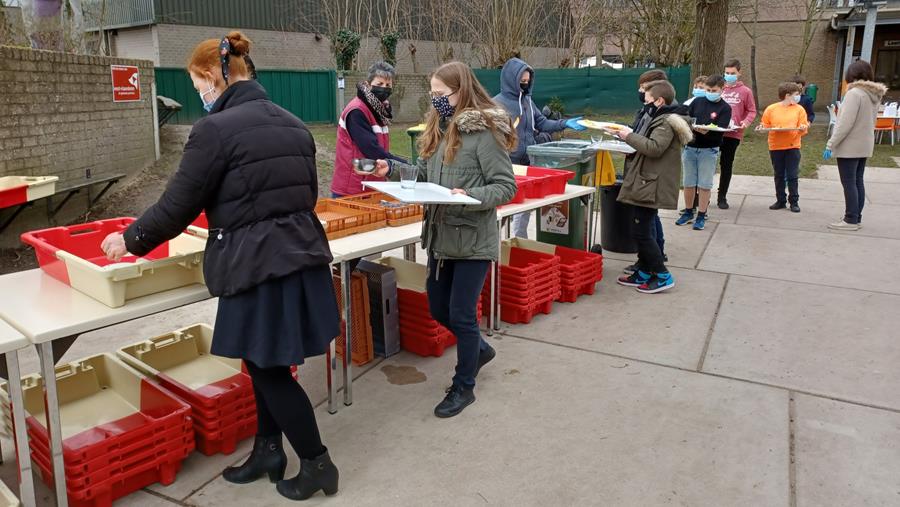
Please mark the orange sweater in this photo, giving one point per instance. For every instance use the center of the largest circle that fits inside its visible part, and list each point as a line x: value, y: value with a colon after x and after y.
x: 779, y: 115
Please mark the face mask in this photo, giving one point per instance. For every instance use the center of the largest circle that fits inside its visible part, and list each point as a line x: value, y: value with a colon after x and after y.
x: 731, y: 78
x: 381, y: 92
x: 641, y: 97
x: 524, y: 86
x: 207, y: 106
x: 442, y: 106
x: 713, y: 97
x: 699, y: 92
x: 795, y: 98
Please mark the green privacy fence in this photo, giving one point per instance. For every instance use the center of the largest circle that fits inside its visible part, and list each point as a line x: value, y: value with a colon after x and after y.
x: 589, y: 89
x: 308, y: 94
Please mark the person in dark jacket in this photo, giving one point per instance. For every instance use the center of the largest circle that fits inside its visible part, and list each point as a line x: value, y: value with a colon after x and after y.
x: 516, y: 84
x: 805, y: 100
x: 363, y: 130
x: 251, y: 165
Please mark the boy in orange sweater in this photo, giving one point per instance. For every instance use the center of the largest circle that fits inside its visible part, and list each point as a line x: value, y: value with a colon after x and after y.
x: 784, y: 145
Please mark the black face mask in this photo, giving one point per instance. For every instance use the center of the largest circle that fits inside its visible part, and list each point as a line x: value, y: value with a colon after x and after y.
x: 381, y: 93
x: 641, y: 97
x: 524, y: 86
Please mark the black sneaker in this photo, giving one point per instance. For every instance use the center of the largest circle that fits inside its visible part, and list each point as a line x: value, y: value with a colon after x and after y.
x: 665, y: 258
x: 631, y: 269
x: 657, y: 284
x: 456, y: 400
x: 484, y: 357
x: 795, y: 208
x: 723, y: 204
x: 778, y: 205
x: 635, y: 279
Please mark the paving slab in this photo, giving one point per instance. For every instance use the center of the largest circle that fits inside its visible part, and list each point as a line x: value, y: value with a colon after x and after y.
x: 611, y: 433
x: 684, y: 245
x: 873, y: 174
x: 880, y: 221
x: 765, y: 186
x: 828, y: 341
x: 836, y: 260
x: 714, y: 214
x: 846, y: 454
x: 614, y: 321
x: 883, y: 193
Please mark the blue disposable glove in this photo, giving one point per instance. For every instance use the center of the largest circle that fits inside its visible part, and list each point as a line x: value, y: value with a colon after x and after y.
x: 573, y: 124
x: 826, y: 154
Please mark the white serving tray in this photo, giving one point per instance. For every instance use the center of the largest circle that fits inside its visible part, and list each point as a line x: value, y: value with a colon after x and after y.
x: 424, y: 193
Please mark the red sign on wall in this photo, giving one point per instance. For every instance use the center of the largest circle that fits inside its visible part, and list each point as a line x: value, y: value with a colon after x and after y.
x: 126, y: 83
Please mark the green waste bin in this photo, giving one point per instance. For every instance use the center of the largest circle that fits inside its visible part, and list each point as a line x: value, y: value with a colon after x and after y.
x: 812, y: 90
x: 563, y: 223
x: 413, y: 133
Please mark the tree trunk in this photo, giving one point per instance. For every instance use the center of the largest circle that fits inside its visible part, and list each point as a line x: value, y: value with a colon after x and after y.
x: 754, y: 86
x: 709, y: 37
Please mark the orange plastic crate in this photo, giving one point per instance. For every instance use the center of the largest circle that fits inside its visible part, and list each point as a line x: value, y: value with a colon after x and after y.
x: 396, y: 216
x: 362, y: 347
x: 341, y: 218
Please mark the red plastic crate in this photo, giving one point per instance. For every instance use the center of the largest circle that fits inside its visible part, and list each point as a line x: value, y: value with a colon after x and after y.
x: 225, y: 440
x: 522, y: 315
x: 555, y: 182
x: 525, y: 189
x: 201, y: 221
x: 424, y: 344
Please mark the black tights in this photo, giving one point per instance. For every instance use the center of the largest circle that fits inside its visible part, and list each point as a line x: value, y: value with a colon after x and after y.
x: 282, y: 406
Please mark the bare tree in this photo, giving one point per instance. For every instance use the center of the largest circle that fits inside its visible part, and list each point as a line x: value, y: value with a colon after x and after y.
x: 440, y: 20
x: 339, y: 15
x: 576, y: 20
x: 746, y: 12
x: 709, y: 38
x: 500, y: 29
x: 658, y: 31
x: 388, y: 19
x: 814, y: 10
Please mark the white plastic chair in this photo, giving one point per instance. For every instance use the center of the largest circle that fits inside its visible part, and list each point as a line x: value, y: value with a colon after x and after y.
x: 832, y: 118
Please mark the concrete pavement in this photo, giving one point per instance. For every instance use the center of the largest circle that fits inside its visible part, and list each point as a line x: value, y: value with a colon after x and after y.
x: 767, y: 377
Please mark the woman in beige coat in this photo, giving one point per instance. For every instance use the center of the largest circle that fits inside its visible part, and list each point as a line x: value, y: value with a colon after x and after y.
x: 853, y: 140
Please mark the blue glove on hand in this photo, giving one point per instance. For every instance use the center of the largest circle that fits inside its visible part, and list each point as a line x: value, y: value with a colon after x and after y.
x: 826, y: 154
x: 573, y: 124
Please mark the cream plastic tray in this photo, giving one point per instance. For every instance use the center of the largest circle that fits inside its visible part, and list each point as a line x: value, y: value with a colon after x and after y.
x: 182, y: 355
x: 410, y: 275
x: 7, y: 498
x: 38, y: 186
x: 115, y: 284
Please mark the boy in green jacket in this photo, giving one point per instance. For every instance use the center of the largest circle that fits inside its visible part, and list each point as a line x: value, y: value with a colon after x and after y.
x: 651, y: 181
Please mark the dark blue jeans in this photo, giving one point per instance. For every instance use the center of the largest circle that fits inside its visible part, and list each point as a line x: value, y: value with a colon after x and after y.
x: 851, y: 171
x: 454, y: 288
x: 787, y: 171
x: 658, y: 235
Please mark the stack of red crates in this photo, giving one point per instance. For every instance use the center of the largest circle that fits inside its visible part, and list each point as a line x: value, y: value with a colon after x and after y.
x: 363, y: 347
x: 579, y: 272
x: 419, y: 332
x: 529, y: 284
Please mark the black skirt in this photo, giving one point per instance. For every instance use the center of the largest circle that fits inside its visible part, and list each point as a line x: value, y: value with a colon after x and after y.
x: 280, y: 322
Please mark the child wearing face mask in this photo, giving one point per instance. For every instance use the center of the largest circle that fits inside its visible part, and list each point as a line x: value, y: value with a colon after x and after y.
x: 784, y: 146
x: 701, y: 155
x: 698, y: 91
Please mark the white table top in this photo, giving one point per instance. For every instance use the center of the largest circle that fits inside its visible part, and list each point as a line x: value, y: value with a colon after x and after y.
x: 45, y: 309
x: 572, y: 191
x: 381, y: 240
x: 11, y: 339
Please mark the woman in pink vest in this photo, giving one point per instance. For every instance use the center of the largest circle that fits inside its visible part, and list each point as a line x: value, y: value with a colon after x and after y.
x: 363, y: 130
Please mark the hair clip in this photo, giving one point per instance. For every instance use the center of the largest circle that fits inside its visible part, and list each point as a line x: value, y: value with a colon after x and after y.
x: 224, y: 52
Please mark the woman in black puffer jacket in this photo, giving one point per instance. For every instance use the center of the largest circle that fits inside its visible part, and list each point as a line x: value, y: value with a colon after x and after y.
x: 251, y: 165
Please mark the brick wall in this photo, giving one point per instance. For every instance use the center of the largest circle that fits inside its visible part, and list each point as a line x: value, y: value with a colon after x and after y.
x: 293, y: 50
x: 777, y: 52
x: 58, y: 119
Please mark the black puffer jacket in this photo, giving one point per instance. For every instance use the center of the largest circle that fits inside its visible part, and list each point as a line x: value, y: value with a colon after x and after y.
x: 252, y: 166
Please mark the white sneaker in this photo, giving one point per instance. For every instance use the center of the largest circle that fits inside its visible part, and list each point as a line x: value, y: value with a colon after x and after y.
x: 843, y: 226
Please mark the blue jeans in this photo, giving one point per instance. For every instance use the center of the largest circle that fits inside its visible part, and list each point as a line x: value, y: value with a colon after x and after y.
x: 852, y: 171
x: 658, y: 235
x: 454, y: 288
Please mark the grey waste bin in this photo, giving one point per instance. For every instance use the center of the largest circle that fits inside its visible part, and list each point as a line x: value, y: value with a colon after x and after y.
x: 616, y: 221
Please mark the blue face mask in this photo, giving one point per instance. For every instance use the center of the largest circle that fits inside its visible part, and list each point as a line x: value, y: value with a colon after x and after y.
x: 731, y: 78
x: 713, y: 97
x: 699, y: 92
x: 207, y: 106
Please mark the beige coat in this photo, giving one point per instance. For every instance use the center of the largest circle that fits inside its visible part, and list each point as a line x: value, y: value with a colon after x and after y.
x: 854, y: 132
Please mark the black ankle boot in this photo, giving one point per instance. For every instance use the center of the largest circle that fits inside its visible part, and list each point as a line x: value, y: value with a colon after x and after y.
x: 267, y: 458
x: 315, y: 474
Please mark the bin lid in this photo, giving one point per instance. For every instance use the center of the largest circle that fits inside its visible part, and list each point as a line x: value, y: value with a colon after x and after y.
x: 570, y: 148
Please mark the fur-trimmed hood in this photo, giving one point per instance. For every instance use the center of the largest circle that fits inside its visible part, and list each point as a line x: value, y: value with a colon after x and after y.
x: 472, y: 120
x: 680, y: 125
x: 876, y: 91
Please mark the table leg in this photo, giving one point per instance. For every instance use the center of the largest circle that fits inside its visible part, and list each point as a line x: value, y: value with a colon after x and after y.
x: 589, y: 241
x: 346, y: 287
x: 330, y: 373
x: 26, y: 478
x: 48, y: 371
x: 409, y: 252
x: 495, y: 286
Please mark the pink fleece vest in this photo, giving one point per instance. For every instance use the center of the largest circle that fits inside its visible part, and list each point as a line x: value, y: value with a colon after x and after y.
x: 346, y: 181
